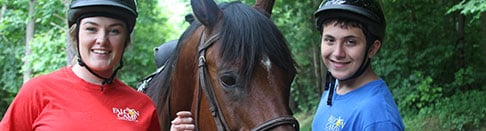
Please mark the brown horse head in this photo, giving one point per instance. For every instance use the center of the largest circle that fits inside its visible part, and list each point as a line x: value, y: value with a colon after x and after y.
x: 233, y: 70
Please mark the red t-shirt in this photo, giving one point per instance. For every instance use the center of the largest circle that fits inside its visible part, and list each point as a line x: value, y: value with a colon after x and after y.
x: 61, y: 101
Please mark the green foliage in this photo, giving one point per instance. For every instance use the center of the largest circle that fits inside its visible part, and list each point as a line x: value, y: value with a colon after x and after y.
x: 11, y: 50
x: 48, y: 52
x: 150, y: 32
x: 469, y: 7
x: 295, y: 20
x: 407, y: 47
x: 463, y: 111
x: 420, y: 92
x: 427, y: 64
x: 10, y: 58
x: 463, y: 77
x: 47, y: 48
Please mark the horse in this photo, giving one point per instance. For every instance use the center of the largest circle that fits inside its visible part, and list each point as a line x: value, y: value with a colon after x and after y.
x: 231, y: 68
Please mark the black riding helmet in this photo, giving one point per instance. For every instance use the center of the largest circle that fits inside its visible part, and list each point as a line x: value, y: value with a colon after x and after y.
x: 125, y: 10
x: 366, y: 12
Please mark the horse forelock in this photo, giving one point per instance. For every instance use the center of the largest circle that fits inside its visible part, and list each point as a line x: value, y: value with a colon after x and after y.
x: 248, y: 35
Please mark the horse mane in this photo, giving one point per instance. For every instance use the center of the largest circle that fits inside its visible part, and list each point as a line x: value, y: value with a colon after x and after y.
x: 249, y: 33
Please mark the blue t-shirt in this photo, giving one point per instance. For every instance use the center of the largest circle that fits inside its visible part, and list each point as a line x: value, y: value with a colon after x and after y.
x: 368, y: 108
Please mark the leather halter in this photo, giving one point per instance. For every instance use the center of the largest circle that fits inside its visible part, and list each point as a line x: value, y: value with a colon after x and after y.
x: 214, y: 106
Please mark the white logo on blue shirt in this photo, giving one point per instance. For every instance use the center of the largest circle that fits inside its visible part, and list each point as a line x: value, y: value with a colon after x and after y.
x: 335, y: 123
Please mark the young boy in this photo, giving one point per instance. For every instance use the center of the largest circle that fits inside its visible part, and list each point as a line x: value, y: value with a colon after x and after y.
x: 357, y: 98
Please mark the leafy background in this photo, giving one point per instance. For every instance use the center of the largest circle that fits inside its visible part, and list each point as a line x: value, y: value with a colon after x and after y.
x: 433, y: 56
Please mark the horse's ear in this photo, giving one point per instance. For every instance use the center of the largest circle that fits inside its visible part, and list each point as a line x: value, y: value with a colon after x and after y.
x: 206, y: 11
x: 264, y: 6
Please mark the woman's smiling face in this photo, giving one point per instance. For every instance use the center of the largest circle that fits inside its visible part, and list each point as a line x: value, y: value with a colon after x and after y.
x: 101, y: 42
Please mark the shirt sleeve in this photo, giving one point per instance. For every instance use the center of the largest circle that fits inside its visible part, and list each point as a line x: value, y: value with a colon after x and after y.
x: 23, y: 110
x: 154, y: 123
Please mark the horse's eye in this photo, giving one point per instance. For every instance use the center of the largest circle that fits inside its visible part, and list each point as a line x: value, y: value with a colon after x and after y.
x: 228, y: 80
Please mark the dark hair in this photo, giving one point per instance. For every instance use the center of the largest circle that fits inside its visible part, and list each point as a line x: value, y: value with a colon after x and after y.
x: 345, y: 23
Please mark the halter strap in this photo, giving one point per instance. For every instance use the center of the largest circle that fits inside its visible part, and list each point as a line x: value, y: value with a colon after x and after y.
x: 205, y: 85
x: 272, y: 123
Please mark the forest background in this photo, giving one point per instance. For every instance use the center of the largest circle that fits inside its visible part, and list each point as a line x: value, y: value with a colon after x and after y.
x: 433, y: 56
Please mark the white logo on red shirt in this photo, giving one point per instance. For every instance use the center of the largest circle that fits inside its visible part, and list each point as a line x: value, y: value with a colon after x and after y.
x: 126, y: 114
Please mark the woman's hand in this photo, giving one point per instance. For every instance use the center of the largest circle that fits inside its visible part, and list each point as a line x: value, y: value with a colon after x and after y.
x: 183, y: 122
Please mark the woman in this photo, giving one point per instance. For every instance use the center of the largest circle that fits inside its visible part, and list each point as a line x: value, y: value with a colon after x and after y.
x: 87, y: 95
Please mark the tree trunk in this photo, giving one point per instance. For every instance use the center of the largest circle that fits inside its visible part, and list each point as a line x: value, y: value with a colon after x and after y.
x: 460, y: 40
x: 29, y: 36
x: 317, y: 68
x: 70, y: 53
x: 483, y: 32
x: 2, y: 11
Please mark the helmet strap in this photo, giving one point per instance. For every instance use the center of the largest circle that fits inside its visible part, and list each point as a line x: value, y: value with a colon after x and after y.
x: 330, y: 83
